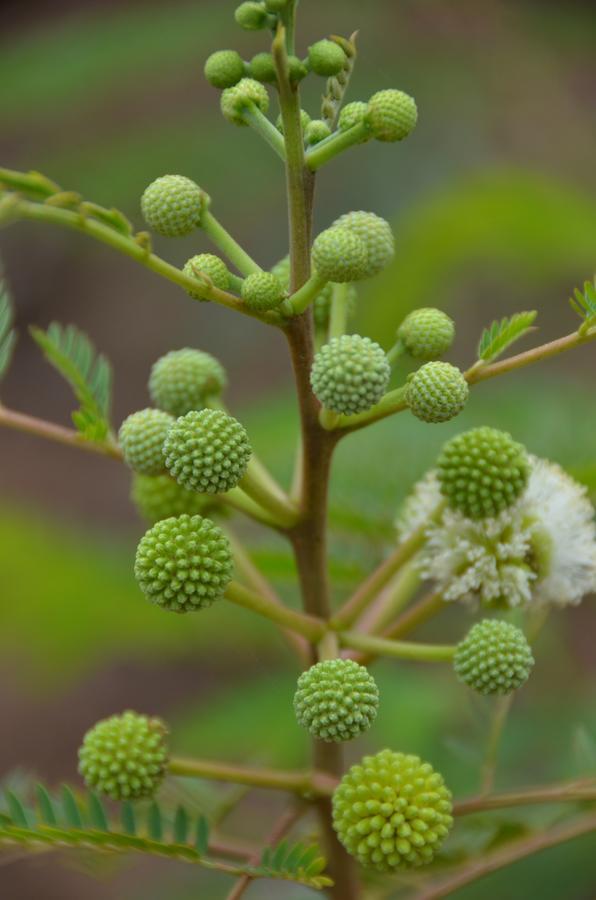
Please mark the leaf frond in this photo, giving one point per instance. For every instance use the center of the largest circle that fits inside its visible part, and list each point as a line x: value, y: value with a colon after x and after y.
x: 502, y: 334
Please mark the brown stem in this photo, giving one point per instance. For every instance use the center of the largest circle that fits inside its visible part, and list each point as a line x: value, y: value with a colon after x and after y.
x: 18, y: 421
x: 550, y: 793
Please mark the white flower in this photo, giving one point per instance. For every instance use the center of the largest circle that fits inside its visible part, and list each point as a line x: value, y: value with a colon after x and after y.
x: 419, y: 506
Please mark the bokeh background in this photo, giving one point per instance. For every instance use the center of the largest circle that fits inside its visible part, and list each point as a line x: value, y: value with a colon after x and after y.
x: 493, y: 203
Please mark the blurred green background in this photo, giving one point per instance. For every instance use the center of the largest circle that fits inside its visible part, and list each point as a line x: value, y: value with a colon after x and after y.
x: 492, y: 199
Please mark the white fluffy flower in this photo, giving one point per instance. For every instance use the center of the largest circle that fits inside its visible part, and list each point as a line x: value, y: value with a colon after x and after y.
x: 419, y: 506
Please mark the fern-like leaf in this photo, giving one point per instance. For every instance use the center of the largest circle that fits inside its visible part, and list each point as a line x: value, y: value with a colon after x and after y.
x: 297, y: 862
x: 8, y: 335
x: 90, y: 375
x: 584, y: 304
x: 501, y: 335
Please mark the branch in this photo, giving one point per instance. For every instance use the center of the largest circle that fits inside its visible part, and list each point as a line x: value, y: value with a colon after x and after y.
x: 310, y: 627
x: 306, y: 784
x: 568, y: 792
x: 18, y: 421
x: 377, y: 646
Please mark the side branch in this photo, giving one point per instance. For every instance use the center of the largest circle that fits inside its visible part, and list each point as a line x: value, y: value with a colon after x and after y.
x: 18, y: 421
x: 306, y: 784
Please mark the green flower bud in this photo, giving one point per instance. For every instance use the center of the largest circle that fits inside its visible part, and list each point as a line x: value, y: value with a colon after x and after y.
x: 493, y: 658
x: 125, y: 756
x: 482, y: 471
x: 336, y: 700
x: 296, y: 69
x: 158, y: 497
x: 326, y: 58
x: 437, y: 392
x: 316, y: 131
x: 352, y: 114
x: 251, y: 16
x: 224, y: 68
x: 173, y: 205
x: 207, y: 451
x: 262, y: 68
x: 392, y: 115
x: 350, y: 374
x: 392, y: 811
x: 338, y: 254
x: 304, y: 121
x: 185, y: 379
x: 246, y: 93
x: 184, y: 563
x: 376, y: 235
x: 212, y: 266
x: 426, y: 333
x: 262, y: 291
x: 141, y: 437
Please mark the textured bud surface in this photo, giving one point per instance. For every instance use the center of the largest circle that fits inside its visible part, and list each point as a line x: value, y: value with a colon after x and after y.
x: 224, y: 68
x: 172, y: 205
x: 326, y: 58
x: 336, y: 700
x: 316, y: 131
x: 262, y: 67
x: 376, y: 235
x: 207, y: 451
x: 214, y: 267
x: 185, y: 379
x: 350, y: 374
x: 437, y: 392
x: 141, y: 437
x: 262, y: 291
x: 125, y: 756
x: 392, y: 115
x: 304, y: 121
x: 158, y: 497
x: 392, y: 811
x: 482, y: 471
x: 183, y: 563
x: 352, y: 114
x: 235, y: 99
x: 494, y: 658
x: 251, y: 16
x: 427, y: 333
x: 338, y: 254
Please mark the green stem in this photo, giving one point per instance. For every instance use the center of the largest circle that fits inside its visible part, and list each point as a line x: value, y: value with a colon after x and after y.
x: 10, y: 418
x: 278, y: 506
x: 328, y: 646
x: 394, y: 353
x: 426, y: 608
x: 536, y: 354
x: 253, y: 116
x: 489, y: 767
x: 328, y: 149
x: 226, y: 243
x: 377, y: 646
x: 308, y: 626
x: 304, y: 296
x: 339, y: 311
x: 568, y: 792
x: 237, y: 499
x: 392, y: 600
x: 303, y: 783
x: 393, y: 402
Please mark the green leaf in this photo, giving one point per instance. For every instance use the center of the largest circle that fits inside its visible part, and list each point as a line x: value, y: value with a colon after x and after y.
x: 90, y: 375
x: 70, y: 807
x: 97, y: 814
x: 16, y: 810
x: 154, y: 822
x: 202, y: 836
x: 584, y: 304
x: 501, y: 335
x: 46, y: 808
x: 180, y: 826
x: 8, y: 335
x: 127, y: 818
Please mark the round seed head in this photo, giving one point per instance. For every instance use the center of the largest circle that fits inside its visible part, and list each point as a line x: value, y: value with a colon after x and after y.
x: 376, y: 235
x: 338, y: 254
x: 141, y: 437
x: 158, y: 497
x: 251, y: 16
x: 262, y: 68
x: 224, y: 68
x: 437, y: 392
x: 326, y: 58
x: 350, y: 374
x: 336, y: 700
x: 244, y: 94
x: 426, y: 333
x: 173, y: 205
x: 185, y: 379
x: 125, y: 756
x: 392, y: 115
x: 482, y: 471
x: 392, y: 811
x: 262, y: 291
x: 316, y: 131
x: 493, y: 658
x: 212, y: 266
x: 183, y: 563
x: 207, y: 451
x: 352, y: 114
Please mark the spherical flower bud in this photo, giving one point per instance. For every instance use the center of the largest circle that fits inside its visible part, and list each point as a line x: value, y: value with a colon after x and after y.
x: 426, y: 333
x: 392, y: 115
x: 392, y: 811
x: 304, y: 121
x: 262, y: 291
x: 173, y: 205
x: 212, y: 266
x: 125, y: 756
x: 246, y: 93
x: 350, y: 374
x: 376, y: 235
x: 493, y: 658
x: 224, y: 68
x: 338, y: 254
x: 316, y: 131
x: 185, y: 379
x: 207, y: 451
x: 437, y: 392
x: 296, y: 69
x: 251, y: 16
x: 326, y: 58
x: 336, y: 700
x: 482, y: 472
x: 141, y: 437
x: 262, y: 68
x: 183, y: 563
x: 158, y: 497
x: 352, y: 114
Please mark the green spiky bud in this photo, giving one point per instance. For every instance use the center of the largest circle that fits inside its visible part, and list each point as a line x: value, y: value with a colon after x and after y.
x: 482, y: 471
x: 184, y: 563
x: 125, y: 756
x: 304, y: 121
x: 262, y: 68
x: 350, y: 374
x: 158, y: 497
x: 251, y: 16
x: 207, y: 451
x: 426, y: 333
x: 141, y: 437
x: 338, y: 254
x: 262, y: 291
x: 185, y: 379
x: 437, y: 392
x: 392, y: 811
x: 212, y: 266
x: 326, y: 58
x: 376, y: 235
x: 352, y: 114
x: 392, y: 115
x: 493, y: 658
x: 224, y: 68
x: 173, y: 205
x: 246, y: 93
x: 316, y: 131
x: 336, y: 700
